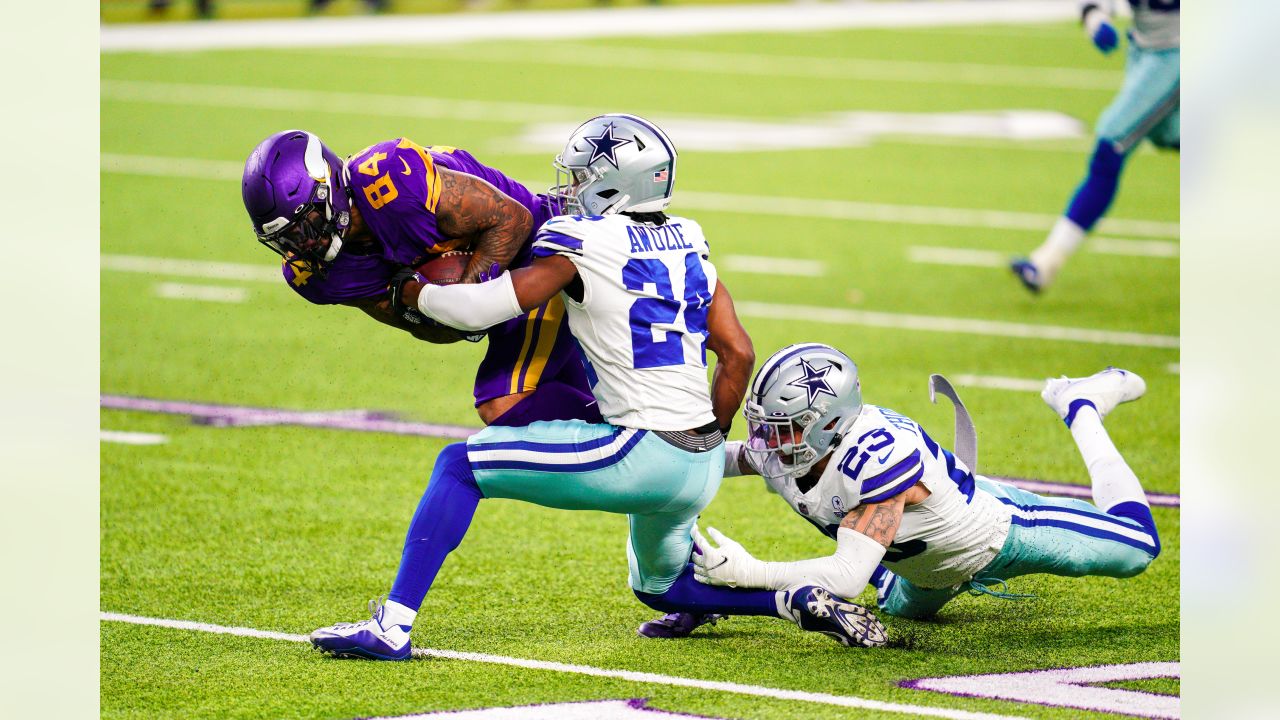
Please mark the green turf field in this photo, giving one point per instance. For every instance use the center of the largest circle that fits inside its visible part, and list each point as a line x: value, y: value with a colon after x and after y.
x: 285, y: 529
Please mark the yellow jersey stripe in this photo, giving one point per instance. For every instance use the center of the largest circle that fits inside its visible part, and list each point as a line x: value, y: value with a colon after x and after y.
x: 524, y: 350
x: 551, y: 320
x: 433, y: 178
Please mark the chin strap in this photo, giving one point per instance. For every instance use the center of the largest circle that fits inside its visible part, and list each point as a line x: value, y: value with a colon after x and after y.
x: 335, y: 245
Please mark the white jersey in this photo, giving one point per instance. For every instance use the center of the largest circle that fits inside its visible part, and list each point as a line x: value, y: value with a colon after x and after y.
x: 1156, y: 23
x: 942, y: 541
x: 642, y: 321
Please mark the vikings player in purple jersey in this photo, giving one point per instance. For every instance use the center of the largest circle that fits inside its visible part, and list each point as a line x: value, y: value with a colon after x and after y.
x: 345, y: 228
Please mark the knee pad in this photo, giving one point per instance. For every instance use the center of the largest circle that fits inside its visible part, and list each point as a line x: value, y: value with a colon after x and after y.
x: 1140, y: 514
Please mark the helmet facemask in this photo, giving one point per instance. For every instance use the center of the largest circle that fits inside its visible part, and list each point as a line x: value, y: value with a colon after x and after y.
x: 797, y: 441
x: 574, y: 186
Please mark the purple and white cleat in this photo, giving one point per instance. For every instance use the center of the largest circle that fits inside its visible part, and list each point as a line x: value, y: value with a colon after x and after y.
x: 368, y: 639
x: 815, y: 609
x: 677, y: 625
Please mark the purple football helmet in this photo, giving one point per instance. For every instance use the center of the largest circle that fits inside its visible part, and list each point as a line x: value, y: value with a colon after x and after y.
x: 295, y: 193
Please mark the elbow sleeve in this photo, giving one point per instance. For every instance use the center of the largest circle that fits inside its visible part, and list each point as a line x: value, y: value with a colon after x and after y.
x: 471, y: 307
x: 844, y: 573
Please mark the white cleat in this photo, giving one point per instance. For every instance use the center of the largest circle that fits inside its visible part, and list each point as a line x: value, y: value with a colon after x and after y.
x: 1104, y: 390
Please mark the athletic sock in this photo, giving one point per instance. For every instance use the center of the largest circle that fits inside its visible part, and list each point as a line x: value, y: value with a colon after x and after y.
x: 1064, y: 239
x: 688, y: 595
x: 393, y: 613
x: 1113, y: 481
x: 438, y: 525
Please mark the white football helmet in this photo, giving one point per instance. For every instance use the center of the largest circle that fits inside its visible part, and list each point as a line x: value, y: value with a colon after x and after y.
x: 802, y: 400
x: 615, y: 163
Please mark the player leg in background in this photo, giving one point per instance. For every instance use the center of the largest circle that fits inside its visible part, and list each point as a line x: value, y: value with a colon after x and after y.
x: 1149, y: 96
x: 532, y: 372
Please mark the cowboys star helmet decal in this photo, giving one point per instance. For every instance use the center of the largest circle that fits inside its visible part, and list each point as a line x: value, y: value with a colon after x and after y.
x: 814, y: 381
x: 605, y: 145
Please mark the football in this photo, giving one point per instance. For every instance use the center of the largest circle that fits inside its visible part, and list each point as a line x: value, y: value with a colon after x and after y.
x: 445, y: 269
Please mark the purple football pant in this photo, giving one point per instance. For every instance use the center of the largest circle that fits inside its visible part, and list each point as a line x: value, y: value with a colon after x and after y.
x: 536, y: 352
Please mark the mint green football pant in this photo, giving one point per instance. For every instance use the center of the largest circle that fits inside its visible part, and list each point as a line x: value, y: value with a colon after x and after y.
x: 575, y: 465
x: 1056, y: 536
x: 1149, y: 102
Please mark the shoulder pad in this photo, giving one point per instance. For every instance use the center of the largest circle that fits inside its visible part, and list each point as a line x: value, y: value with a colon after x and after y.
x: 557, y: 238
x: 880, y: 465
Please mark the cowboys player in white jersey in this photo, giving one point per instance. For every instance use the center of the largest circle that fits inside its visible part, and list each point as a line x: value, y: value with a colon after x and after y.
x: 905, y: 513
x: 644, y: 303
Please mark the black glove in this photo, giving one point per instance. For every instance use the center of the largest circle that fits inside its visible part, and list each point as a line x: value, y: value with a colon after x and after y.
x: 395, y: 287
x: 411, y: 314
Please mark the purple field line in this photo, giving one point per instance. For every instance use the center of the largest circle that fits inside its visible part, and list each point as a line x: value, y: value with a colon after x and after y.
x: 382, y: 422
x: 238, y: 415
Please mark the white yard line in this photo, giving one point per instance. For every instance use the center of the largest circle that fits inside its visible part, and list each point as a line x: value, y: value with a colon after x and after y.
x: 571, y: 24
x: 995, y: 382
x: 131, y: 438
x: 351, y: 103
x: 969, y: 257
x: 171, y: 167
x: 906, y: 214
x: 964, y: 257
x: 204, y: 293
x: 968, y: 326
x: 192, y: 268
x: 747, y: 308
x: 626, y: 675
x: 772, y: 265
x: 765, y: 65
x: 1135, y: 248
x: 726, y: 202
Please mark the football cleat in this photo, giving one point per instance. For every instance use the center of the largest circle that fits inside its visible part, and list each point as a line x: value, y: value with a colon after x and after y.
x: 677, y: 625
x: 367, y: 639
x: 815, y: 609
x: 1104, y: 391
x: 1027, y: 273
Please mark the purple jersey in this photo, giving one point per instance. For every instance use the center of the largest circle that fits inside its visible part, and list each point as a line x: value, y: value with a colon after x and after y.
x: 396, y: 187
x: 350, y: 277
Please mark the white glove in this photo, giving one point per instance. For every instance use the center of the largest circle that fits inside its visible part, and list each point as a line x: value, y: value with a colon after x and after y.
x: 729, y: 564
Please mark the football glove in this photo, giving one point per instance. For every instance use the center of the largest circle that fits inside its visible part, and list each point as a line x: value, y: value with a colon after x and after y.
x: 411, y: 315
x: 729, y: 564
x: 1100, y: 30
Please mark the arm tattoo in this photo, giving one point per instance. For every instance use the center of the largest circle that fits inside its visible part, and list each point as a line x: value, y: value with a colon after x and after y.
x: 473, y: 209
x: 878, y: 521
